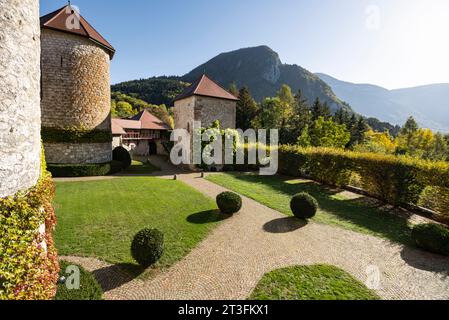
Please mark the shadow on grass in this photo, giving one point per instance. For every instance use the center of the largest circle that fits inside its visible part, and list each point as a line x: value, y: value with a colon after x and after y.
x: 426, y: 261
x: 204, y: 217
x: 117, y: 275
x: 333, y: 209
x: 284, y: 225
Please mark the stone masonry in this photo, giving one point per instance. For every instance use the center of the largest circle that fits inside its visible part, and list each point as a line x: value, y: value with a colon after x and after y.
x: 204, y: 109
x: 20, y: 146
x: 75, y: 94
x: 72, y: 153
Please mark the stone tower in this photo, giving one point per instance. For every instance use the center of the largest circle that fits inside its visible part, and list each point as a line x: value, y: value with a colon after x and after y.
x: 20, y: 146
x: 75, y: 90
x: 207, y: 102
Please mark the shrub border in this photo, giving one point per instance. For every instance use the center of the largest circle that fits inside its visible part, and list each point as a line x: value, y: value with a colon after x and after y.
x: 56, y: 135
x: 84, y: 170
x: 27, y: 270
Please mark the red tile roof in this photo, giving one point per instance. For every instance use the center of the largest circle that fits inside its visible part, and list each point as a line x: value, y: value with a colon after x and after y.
x: 144, y: 120
x: 57, y: 20
x: 206, y: 87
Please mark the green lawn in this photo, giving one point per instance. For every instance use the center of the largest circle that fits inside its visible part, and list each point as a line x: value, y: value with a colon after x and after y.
x: 140, y: 168
x: 318, y: 282
x: 99, y: 218
x: 275, y: 192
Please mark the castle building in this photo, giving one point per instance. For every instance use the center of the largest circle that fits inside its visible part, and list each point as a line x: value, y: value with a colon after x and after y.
x: 75, y: 96
x: 142, y: 134
x: 205, y: 101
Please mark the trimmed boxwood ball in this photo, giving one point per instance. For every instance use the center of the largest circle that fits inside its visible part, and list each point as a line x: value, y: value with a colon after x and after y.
x: 147, y: 247
x: 229, y: 202
x: 432, y: 237
x: 89, y: 289
x: 122, y: 155
x: 304, y: 206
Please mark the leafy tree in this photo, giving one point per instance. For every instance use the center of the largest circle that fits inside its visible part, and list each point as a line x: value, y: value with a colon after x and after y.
x: 327, y: 133
x: 287, y: 100
x: 304, y: 140
x: 378, y: 142
x: 320, y: 110
x: 247, y: 109
x: 122, y: 109
x: 270, y: 115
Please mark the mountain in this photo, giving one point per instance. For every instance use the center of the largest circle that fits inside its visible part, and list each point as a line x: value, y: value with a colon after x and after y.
x: 156, y: 90
x: 261, y: 69
x: 428, y: 104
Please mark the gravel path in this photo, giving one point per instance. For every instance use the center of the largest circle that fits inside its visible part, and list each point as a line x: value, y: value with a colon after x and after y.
x: 232, y: 259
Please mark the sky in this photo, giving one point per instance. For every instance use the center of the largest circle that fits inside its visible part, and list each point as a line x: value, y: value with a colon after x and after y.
x: 391, y: 43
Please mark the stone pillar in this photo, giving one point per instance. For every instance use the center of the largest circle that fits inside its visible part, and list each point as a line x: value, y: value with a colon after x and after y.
x: 20, y: 146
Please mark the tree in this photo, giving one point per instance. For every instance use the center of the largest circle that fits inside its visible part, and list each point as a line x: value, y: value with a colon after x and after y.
x: 122, y: 109
x: 304, y: 140
x: 410, y: 127
x: 378, y: 142
x: 326, y: 133
x: 320, y: 110
x: 341, y: 116
x: 287, y: 100
x: 270, y: 115
x: 300, y: 119
x: 247, y: 109
x: 233, y: 89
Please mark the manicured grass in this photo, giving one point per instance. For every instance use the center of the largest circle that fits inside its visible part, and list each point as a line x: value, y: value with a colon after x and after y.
x: 138, y: 167
x: 318, y: 282
x: 99, y: 218
x: 276, y: 192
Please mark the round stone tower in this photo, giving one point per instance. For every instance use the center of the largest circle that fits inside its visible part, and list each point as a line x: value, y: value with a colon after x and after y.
x: 20, y: 146
x: 76, y: 107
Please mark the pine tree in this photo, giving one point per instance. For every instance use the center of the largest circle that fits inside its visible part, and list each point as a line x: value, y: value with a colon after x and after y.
x: 247, y: 109
x: 234, y: 90
x: 320, y: 110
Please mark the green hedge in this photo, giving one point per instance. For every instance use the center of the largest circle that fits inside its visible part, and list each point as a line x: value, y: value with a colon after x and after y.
x: 84, y: 170
x: 55, y: 135
x: 397, y: 180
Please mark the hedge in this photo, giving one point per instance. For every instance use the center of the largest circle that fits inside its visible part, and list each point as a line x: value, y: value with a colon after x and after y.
x: 397, y: 180
x: 85, y: 170
x: 56, y: 135
x: 27, y: 270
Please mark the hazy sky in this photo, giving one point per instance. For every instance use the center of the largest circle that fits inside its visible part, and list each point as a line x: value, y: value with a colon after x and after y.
x: 392, y: 43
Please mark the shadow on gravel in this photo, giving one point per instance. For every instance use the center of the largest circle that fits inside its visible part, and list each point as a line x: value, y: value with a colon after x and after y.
x: 205, y: 217
x: 426, y: 261
x: 284, y: 225
x: 115, y: 276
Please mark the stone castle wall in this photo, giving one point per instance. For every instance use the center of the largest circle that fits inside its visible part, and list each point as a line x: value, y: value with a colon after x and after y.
x: 20, y: 147
x: 76, y: 94
x: 184, y: 113
x: 208, y: 110
x: 86, y: 153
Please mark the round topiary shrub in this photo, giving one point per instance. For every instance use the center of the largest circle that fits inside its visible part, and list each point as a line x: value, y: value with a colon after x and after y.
x: 122, y: 155
x: 147, y: 247
x: 304, y: 206
x: 89, y: 288
x: 229, y: 202
x: 432, y: 237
